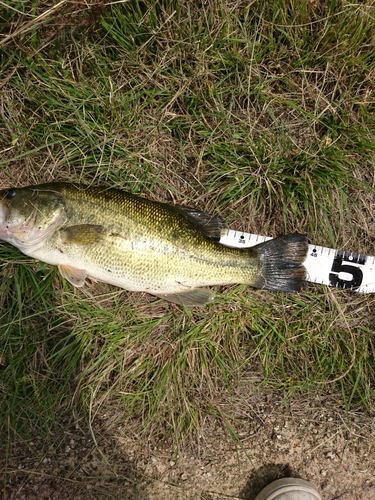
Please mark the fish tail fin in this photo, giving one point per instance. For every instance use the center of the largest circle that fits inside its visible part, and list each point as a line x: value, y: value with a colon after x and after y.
x: 281, y: 263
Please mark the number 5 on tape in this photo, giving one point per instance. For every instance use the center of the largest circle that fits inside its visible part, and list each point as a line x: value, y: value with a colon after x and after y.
x: 326, y: 266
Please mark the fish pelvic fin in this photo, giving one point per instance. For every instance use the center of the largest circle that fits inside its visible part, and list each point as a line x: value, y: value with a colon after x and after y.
x: 76, y: 277
x: 281, y: 263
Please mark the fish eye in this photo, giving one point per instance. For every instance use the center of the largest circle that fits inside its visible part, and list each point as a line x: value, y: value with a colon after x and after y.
x: 10, y: 193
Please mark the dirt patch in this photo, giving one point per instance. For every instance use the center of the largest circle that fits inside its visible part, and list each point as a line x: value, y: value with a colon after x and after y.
x: 330, y: 448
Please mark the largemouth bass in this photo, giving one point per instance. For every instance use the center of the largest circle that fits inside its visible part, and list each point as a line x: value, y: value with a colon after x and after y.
x: 141, y: 245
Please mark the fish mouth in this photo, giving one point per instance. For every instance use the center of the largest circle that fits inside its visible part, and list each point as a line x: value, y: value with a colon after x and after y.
x: 17, y: 235
x: 29, y: 236
x: 3, y: 216
x: 3, y: 212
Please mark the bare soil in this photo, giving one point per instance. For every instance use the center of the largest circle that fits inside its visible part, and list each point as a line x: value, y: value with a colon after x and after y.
x: 314, y: 440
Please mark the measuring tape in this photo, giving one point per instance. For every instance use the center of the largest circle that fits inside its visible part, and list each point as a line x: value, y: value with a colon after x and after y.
x: 326, y: 266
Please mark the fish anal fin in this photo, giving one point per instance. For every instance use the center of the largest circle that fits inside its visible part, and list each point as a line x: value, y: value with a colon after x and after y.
x: 82, y: 234
x: 196, y: 297
x: 76, y: 277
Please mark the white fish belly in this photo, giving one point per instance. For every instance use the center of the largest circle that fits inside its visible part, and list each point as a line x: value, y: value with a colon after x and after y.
x: 161, y: 276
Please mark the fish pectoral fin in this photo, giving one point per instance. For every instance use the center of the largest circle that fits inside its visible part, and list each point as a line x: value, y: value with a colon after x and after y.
x: 82, y: 234
x: 76, y: 277
x: 193, y: 298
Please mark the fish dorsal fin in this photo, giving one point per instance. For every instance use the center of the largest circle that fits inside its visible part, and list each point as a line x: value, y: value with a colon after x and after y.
x: 76, y: 277
x: 211, y: 225
x: 197, y: 297
x: 82, y: 234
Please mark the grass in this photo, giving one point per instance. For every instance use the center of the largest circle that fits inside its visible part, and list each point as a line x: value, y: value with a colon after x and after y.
x: 263, y: 112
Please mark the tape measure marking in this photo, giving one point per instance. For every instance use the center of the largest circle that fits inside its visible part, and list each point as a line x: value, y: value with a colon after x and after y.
x: 326, y: 266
